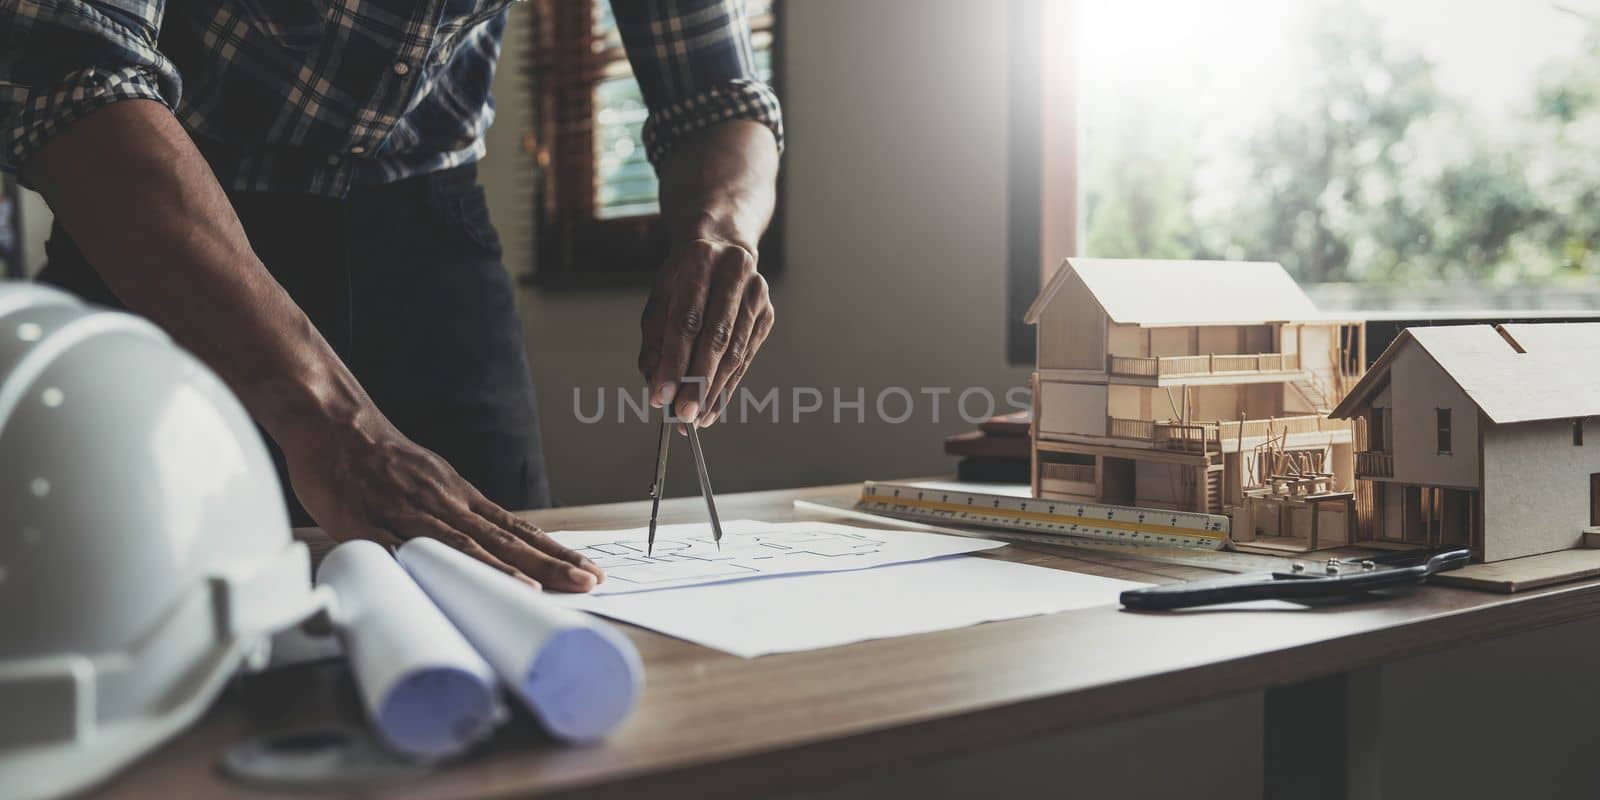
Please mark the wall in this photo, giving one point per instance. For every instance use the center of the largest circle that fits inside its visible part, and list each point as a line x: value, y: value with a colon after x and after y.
x: 1220, y: 402
x: 1536, y: 487
x: 1159, y: 484
x: 894, y: 264
x: 1263, y: 400
x: 36, y: 219
x: 1127, y: 340
x: 1072, y: 329
x: 1394, y: 514
x: 1220, y: 338
x: 1171, y: 341
x: 1317, y: 356
x: 1073, y: 408
x: 1419, y: 386
x: 1146, y: 402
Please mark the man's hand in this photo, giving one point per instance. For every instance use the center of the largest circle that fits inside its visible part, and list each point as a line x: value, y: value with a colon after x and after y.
x: 129, y: 185
x: 704, y: 323
x: 709, y: 312
x: 370, y: 482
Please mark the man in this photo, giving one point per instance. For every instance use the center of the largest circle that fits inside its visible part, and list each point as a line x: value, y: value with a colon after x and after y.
x: 287, y: 188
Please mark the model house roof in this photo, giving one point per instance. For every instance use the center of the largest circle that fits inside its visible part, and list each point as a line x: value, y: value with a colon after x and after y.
x: 1156, y: 293
x: 1514, y: 373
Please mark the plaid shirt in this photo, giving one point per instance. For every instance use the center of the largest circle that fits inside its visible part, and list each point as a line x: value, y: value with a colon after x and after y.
x: 314, y: 95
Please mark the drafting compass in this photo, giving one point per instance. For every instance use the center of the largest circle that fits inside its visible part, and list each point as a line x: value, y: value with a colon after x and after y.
x: 661, y: 477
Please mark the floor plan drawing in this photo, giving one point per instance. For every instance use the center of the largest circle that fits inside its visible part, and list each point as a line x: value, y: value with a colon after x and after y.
x: 686, y: 555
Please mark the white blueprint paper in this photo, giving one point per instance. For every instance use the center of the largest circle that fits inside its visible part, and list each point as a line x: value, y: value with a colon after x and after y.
x: 807, y: 612
x: 579, y: 675
x: 686, y: 555
x: 428, y: 693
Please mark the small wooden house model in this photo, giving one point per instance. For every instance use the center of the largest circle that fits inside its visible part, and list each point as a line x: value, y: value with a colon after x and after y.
x: 1195, y: 386
x: 1474, y: 436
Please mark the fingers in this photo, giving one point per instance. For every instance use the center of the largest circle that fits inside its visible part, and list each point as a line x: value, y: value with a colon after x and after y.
x: 536, y: 538
x: 685, y: 318
x: 651, y: 324
x: 540, y: 566
x: 758, y: 337
x: 733, y: 270
x: 751, y: 306
x: 391, y: 490
x: 434, y: 528
x: 699, y: 334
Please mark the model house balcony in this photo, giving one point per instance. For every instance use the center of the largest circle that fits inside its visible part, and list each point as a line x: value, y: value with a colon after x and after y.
x: 1161, y: 369
x: 1374, y: 464
x: 1212, y: 436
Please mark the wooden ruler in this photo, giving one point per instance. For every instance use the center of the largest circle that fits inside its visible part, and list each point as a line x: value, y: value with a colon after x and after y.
x: 1123, y: 524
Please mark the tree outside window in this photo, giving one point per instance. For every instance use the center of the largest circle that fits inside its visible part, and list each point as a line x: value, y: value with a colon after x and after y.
x: 1406, y: 153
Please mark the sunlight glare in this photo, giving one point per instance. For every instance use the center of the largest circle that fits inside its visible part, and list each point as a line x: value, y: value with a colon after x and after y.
x: 1134, y: 43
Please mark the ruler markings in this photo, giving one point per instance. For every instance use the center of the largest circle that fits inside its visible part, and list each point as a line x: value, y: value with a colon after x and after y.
x: 1119, y: 523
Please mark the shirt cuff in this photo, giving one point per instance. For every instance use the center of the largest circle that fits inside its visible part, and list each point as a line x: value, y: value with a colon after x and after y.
x: 40, y: 116
x: 741, y: 98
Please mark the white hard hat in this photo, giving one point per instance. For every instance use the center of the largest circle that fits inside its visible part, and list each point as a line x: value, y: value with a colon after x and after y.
x: 144, y: 546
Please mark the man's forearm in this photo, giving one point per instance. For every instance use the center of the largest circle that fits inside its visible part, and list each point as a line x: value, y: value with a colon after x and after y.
x: 720, y: 184
x: 147, y: 212
x: 710, y: 311
x: 145, y: 209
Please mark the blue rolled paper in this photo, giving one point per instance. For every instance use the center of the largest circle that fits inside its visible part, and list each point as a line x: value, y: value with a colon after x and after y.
x: 578, y: 675
x: 427, y: 692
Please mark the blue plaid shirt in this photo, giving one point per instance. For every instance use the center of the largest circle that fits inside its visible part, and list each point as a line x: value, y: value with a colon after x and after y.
x: 314, y: 95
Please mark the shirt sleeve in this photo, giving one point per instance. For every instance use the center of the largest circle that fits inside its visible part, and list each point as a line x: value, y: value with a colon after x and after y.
x: 695, y: 67
x: 66, y: 58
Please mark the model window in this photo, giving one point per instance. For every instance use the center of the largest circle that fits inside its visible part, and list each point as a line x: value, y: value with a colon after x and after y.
x: 1577, y: 432
x: 1375, y: 436
x: 1443, y: 424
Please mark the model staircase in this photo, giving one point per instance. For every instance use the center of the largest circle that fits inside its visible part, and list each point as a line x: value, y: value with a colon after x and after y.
x: 1311, y: 391
x: 1214, y: 489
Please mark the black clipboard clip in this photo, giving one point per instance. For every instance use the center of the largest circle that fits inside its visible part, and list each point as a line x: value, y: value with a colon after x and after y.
x: 1338, y: 578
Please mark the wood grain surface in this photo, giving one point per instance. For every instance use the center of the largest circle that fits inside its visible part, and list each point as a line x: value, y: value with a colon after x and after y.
x: 714, y: 725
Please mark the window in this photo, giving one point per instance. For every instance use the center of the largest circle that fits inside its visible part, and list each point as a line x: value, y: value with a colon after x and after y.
x: 1577, y: 432
x: 1442, y: 427
x: 1594, y: 499
x: 596, y: 215
x: 1367, y: 145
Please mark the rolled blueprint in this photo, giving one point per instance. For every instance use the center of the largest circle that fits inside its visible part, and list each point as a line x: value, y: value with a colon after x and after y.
x: 577, y: 674
x: 428, y: 693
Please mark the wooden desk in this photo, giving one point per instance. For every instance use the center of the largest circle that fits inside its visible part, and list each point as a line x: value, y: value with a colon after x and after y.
x: 711, y: 724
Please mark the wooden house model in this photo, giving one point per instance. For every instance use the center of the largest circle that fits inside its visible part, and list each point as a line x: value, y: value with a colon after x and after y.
x: 1474, y: 436
x: 1195, y: 386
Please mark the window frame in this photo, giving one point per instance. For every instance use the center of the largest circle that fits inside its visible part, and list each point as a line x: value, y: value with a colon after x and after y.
x: 1028, y: 266
x: 1042, y: 159
x: 573, y: 247
x: 1444, y: 430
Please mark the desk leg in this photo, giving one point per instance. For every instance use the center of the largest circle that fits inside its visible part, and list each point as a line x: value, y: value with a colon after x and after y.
x: 1320, y: 738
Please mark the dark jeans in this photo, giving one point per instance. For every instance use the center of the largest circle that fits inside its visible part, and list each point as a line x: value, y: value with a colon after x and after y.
x: 405, y: 281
